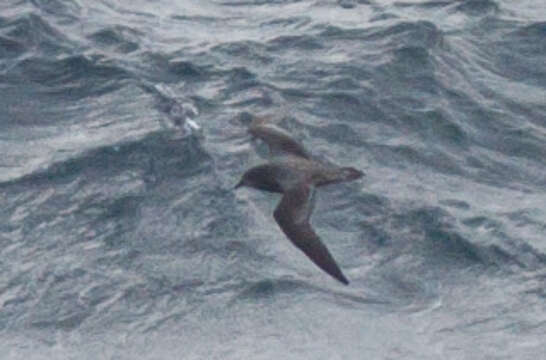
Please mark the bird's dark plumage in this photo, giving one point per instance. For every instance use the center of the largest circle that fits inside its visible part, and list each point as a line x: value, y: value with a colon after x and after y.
x: 295, y: 174
x: 278, y: 140
x: 292, y: 214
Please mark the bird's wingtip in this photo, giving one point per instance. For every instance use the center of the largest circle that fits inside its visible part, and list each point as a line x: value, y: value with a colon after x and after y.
x: 341, y: 278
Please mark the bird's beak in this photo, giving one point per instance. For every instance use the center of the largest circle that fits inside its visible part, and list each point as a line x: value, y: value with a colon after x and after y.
x: 239, y: 184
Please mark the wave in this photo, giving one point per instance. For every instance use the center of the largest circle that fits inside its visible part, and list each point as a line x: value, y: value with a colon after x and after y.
x: 434, y: 237
x: 74, y: 76
x: 157, y: 155
x: 118, y: 39
x: 33, y: 34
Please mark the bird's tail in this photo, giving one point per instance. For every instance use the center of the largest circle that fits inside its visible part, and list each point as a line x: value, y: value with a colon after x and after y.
x: 339, y: 175
x: 350, y: 173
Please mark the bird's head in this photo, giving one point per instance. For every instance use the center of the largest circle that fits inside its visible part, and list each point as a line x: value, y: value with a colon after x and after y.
x: 252, y: 178
x: 259, y: 177
x: 243, y: 182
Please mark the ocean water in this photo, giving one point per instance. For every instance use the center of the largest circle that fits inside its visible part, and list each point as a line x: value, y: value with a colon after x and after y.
x: 122, y: 133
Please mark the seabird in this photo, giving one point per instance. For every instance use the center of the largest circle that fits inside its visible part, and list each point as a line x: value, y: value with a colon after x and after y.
x: 295, y: 174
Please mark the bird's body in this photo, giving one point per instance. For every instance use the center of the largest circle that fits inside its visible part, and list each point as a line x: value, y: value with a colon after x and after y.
x: 295, y: 174
x: 284, y: 172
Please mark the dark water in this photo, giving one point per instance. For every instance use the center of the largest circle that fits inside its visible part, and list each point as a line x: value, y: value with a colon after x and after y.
x: 121, y: 136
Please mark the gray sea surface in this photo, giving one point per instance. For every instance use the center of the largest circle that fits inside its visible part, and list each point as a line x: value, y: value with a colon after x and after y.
x: 123, y: 131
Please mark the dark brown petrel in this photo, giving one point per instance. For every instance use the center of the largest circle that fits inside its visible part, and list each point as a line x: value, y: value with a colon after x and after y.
x: 295, y: 174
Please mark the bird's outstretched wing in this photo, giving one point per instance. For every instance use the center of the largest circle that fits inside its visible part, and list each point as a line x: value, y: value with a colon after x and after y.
x: 278, y: 140
x: 292, y: 214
